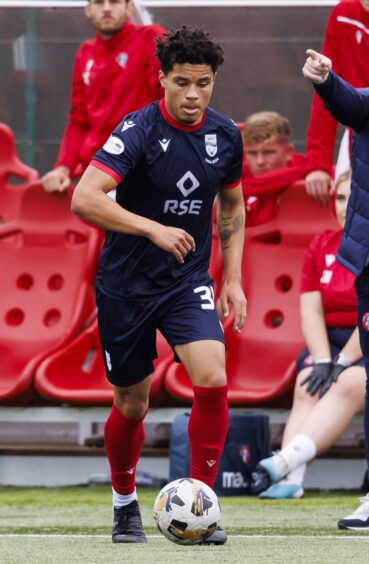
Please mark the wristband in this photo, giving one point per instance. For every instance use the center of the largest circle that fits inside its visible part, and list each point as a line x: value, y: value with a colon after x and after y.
x: 342, y: 360
x: 322, y: 360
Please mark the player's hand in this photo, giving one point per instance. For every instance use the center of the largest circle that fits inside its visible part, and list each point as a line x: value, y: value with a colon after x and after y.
x: 56, y: 180
x: 173, y: 240
x: 232, y: 297
x: 317, y: 67
x: 317, y: 377
x: 319, y: 186
x: 333, y: 377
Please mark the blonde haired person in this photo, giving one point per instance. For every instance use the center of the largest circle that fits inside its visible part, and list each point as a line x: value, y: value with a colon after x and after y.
x: 270, y: 164
x: 330, y: 385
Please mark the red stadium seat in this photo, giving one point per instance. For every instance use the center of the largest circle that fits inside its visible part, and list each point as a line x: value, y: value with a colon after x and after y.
x: 75, y: 373
x: 259, y: 359
x: 48, y: 259
x: 11, y: 168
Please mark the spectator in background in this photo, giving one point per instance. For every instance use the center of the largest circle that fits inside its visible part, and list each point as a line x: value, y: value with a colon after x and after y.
x: 330, y: 386
x: 346, y: 43
x: 114, y: 74
x: 270, y: 164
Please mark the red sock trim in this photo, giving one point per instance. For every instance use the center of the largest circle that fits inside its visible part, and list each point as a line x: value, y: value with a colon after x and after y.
x: 216, y: 392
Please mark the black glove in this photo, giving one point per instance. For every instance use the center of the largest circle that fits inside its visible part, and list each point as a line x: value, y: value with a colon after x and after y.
x: 333, y: 377
x: 317, y: 377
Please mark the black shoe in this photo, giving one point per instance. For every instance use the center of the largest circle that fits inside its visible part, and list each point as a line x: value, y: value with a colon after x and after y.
x: 218, y: 537
x: 260, y: 481
x: 127, y: 524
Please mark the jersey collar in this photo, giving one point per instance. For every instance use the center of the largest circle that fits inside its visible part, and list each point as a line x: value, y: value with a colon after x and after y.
x: 176, y: 124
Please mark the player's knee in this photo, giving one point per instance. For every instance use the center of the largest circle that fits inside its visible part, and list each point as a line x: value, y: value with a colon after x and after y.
x: 135, y: 411
x: 300, y: 393
x: 349, y: 385
x: 133, y: 406
x: 213, y: 379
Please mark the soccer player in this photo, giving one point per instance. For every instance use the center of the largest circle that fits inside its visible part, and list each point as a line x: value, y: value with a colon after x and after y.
x: 270, y: 164
x: 167, y: 162
x: 350, y: 106
x: 114, y: 73
x: 346, y: 43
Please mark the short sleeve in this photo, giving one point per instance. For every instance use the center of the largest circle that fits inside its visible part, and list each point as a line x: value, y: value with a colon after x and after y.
x: 234, y: 172
x: 122, y: 151
x: 310, y: 278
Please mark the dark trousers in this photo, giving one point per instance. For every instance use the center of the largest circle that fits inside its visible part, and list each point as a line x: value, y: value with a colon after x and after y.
x: 362, y: 291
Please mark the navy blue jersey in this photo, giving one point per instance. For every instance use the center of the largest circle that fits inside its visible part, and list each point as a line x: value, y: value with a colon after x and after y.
x: 169, y: 173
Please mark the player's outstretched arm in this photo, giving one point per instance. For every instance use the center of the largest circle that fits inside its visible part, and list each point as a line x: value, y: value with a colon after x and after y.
x: 91, y: 202
x: 231, y: 227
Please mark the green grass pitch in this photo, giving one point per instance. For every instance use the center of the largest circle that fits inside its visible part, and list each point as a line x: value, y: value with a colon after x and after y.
x: 72, y: 525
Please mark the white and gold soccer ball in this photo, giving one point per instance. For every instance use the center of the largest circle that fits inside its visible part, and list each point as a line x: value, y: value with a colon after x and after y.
x: 186, y: 511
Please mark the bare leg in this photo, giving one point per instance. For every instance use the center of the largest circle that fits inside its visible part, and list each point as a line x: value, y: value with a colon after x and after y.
x: 204, y: 362
x: 133, y: 401
x: 318, y: 427
x: 302, y: 406
x: 333, y: 413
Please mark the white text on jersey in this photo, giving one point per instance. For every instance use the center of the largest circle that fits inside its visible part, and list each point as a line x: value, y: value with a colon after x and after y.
x: 192, y: 207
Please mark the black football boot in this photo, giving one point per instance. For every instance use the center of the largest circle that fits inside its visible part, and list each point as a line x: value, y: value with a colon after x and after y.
x: 127, y: 524
x: 218, y: 537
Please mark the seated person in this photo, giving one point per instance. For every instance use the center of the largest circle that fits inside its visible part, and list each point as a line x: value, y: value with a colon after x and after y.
x: 330, y: 385
x: 270, y: 164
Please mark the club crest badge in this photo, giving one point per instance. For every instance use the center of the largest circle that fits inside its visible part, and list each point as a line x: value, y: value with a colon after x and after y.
x: 365, y: 321
x: 122, y: 59
x: 211, y: 145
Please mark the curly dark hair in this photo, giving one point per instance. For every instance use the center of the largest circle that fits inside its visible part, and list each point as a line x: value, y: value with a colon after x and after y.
x: 188, y: 45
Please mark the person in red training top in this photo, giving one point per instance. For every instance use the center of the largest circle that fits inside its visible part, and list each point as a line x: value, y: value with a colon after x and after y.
x: 346, y: 43
x: 330, y: 386
x: 270, y: 165
x: 114, y: 74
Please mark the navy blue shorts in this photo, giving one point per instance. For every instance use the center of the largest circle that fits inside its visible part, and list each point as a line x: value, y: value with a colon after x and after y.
x: 128, y: 329
x: 338, y: 337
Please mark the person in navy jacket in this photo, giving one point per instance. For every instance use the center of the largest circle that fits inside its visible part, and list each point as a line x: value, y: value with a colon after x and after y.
x: 350, y: 106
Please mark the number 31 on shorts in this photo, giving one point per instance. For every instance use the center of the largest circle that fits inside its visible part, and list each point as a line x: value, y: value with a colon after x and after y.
x: 206, y: 294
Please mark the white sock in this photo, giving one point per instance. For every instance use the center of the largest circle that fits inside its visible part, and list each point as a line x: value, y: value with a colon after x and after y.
x: 299, y: 450
x: 297, y: 475
x: 120, y: 500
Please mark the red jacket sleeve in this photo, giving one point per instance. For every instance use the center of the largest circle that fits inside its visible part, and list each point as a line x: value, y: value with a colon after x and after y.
x: 152, y: 64
x: 78, y: 122
x: 275, y: 181
x: 322, y: 129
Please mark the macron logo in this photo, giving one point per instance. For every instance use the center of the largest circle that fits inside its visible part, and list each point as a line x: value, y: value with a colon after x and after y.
x: 127, y: 125
x: 329, y: 260
x: 211, y: 463
x: 164, y: 143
